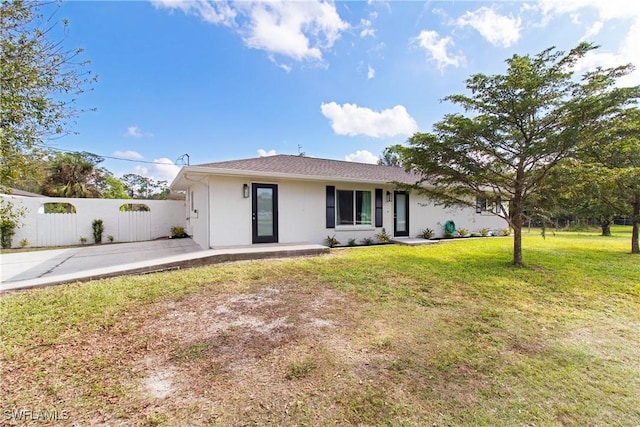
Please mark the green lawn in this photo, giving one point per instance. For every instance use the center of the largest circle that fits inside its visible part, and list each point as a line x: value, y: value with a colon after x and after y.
x: 446, y: 334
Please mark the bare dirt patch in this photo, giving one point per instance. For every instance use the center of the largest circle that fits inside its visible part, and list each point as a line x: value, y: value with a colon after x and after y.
x: 236, y: 357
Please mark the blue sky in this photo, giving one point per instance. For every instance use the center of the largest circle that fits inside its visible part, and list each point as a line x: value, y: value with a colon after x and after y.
x: 340, y: 80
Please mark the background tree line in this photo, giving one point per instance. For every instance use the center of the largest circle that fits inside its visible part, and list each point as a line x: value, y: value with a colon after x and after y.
x: 71, y: 174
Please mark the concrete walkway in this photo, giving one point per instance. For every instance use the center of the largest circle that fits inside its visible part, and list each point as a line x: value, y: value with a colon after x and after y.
x: 413, y: 241
x: 51, y: 267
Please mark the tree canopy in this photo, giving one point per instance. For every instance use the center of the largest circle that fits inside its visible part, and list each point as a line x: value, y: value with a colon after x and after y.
x: 72, y: 175
x: 142, y: 187
x: 611, y: 157
x: 515, y: 129
x: 389, y: 157
x: 40, y: 81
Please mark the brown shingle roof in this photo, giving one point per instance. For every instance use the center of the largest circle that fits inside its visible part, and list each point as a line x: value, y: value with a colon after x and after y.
x: 313, y: 167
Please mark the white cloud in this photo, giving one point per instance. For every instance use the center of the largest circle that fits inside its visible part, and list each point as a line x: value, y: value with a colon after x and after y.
x: 619, y: 11
x: 141, y: 170
x: 162, y: 169
x: 128, y: 154
x: 361, y: 156
x: 592, y: 31
x: 214, y: 12
x: 371, y: 73
x: 264, y: 153
x: 300, y: 30
x: 499, y: 30
x: 135, y: 132
x: 606, y: 9
x: 366, y: 31
x: 285, y: 67
x: 437, y: 46
x: 349, y: 119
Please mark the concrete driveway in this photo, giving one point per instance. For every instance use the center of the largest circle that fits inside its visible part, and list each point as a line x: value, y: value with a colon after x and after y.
x: 33, y: 265
x: 51, y: 267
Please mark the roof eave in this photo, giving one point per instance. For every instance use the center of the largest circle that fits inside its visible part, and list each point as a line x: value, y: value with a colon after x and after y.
x: 181, y: 178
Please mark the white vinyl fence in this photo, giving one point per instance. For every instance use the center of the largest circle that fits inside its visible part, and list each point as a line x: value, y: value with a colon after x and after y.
x: 54, y: 229
x: 62, y: 229
x: 134, y: 226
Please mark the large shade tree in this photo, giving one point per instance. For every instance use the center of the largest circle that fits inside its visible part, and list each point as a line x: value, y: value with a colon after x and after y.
x: 40, y: 80
x: 514, y: 129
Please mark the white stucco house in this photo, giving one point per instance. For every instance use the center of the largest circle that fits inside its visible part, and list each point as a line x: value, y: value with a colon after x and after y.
x: 293, y: 199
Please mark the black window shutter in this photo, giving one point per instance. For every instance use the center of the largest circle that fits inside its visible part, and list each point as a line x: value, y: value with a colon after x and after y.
x: 331, y: 206
x: 378, y: 207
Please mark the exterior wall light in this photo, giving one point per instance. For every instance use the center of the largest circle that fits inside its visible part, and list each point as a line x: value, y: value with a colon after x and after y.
x: 388, y: 196
x: 245, y: 191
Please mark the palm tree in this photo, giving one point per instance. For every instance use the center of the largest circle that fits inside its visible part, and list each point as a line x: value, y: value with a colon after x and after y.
x: 72, y: 175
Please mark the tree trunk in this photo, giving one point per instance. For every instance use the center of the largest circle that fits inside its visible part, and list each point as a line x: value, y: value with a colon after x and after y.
x: 635, y: 245
x: 517, y: 245
x: 517, y: 228
x: 605, y: 224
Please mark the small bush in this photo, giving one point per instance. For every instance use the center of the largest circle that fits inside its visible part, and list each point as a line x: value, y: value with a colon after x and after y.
x: 351, y: 242
x: 10, y: 219
x: 484, y: 232
x: 383, y: 237
x: 24, y: 243
x: 83, y: 240
x: 178, y: 232
x: 98, y: 229
x: 367, y: 241
x: 427, y: 233
x: 110, y: 238
x: 331, y: 241
x: 463, y: 232
x: 505, y: 232
x: 7, y: 229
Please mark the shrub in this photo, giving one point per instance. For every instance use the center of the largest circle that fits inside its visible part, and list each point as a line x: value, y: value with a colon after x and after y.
x: 505, y: 232
x: 98, y: 229
x: 367, y: 241
x: 24, y: 243
x: 383, y: 237
x: 352, y: 242
x: 110, y: 238
x: 484, y: 232
x: 83, y: 240
x: 10, y: 219
x: 463, y: 232
x: 8, y: 229
x: 427, y: 233
x: 178, y: 232
x: 331, y: 241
